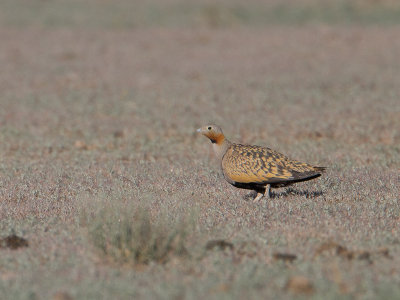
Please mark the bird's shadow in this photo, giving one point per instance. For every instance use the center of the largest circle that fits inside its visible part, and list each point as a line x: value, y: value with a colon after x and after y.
x: 286, y: 193
x: 292, y: 191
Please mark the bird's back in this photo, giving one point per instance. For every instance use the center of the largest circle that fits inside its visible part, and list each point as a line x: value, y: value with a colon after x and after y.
x: 256, y: 166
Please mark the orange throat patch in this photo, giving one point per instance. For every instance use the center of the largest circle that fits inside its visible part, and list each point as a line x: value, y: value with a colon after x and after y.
x: 217, y: 139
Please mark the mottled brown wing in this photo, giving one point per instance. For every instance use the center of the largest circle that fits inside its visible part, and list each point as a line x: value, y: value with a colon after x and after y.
x: 259, y: 165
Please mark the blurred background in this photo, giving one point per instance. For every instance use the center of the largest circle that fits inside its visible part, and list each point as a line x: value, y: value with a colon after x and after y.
x: 124, y: 14
x: 279, y: 71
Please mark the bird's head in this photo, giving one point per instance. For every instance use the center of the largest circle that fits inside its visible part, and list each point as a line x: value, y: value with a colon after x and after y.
x: 213, y: 132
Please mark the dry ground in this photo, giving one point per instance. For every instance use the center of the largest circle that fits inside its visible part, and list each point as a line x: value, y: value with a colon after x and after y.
x: 97, y: 122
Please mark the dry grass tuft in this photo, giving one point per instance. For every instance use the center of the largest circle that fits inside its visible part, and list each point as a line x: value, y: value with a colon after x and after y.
x: 131, y: 236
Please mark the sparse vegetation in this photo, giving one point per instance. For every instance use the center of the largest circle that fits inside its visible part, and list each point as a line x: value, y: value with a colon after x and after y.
x: 101, y: 168
x: 130, y: 236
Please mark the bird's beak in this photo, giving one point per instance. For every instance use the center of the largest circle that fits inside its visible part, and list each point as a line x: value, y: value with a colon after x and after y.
x: 198, y: 130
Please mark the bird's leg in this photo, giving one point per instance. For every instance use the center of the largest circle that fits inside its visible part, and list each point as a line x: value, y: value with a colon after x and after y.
x: 258, y: 197
x: 268, y: 191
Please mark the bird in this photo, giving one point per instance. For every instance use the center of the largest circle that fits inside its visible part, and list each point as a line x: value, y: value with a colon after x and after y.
x: 254, y: 167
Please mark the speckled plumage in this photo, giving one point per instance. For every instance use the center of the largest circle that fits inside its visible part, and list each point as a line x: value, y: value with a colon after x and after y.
x: 255, y: 167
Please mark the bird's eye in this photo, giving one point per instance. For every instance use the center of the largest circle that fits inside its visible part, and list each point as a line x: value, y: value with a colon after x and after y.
x: 209, y: 128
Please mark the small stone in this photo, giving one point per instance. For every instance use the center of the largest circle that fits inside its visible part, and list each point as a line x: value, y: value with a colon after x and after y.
x: 60, y: 295
x: 300, y: 285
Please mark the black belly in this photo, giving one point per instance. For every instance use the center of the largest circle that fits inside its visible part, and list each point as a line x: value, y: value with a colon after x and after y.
x: 260, y: 186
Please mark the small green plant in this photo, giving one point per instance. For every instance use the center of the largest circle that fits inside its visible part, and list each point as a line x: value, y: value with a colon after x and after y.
x: 132, y: 236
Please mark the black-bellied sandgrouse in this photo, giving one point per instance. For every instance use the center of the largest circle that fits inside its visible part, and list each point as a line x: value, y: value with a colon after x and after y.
x: 255, y: 167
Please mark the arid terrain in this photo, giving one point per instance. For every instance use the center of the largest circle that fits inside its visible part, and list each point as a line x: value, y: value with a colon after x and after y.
x: 108, y: 192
